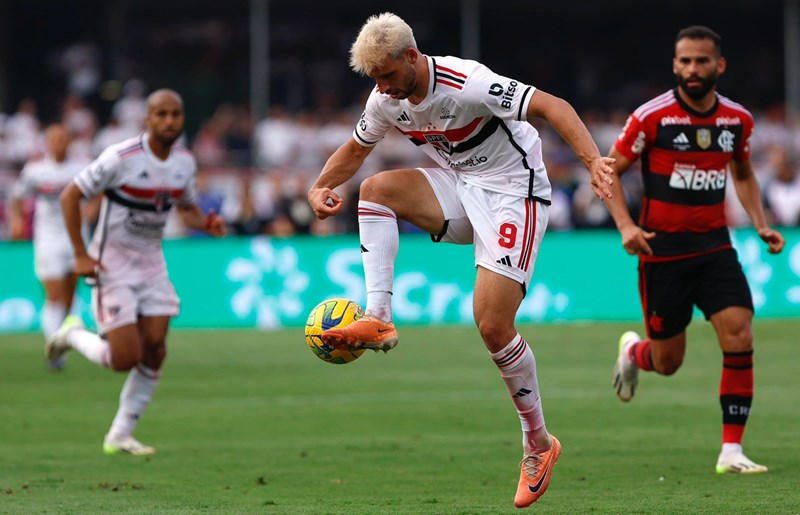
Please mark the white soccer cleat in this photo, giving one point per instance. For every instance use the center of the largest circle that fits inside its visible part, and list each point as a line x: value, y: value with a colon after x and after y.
x: 126, y: 445
x: 735, y: 462
x: 626, y: 374
x: 57, y: 344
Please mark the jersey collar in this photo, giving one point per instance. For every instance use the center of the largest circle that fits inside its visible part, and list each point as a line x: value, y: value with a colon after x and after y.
x: 693, y: 112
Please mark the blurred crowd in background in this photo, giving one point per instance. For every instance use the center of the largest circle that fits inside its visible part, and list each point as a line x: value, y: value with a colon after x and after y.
x: 256, y: 172
x: 100, y: 60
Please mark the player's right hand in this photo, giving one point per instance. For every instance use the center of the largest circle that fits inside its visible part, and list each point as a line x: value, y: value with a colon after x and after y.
x: 324, y: 202
x: 634, y: 240
x: 86, y: 266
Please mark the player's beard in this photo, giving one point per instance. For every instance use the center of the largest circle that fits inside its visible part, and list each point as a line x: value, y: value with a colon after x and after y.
x: 409, y: 86
x: 167, y: 141
x: 698, y: 92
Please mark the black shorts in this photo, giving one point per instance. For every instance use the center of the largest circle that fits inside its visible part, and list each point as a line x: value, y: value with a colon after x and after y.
x: 669, y: 290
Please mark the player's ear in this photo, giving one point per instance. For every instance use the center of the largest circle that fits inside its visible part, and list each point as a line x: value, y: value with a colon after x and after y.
x: 722, y: 64
x: 412, y: 55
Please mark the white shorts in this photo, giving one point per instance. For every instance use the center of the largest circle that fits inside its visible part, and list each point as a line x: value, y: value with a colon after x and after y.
x: 119, y: 304
x: 53, y: 260
x: 506, y: 230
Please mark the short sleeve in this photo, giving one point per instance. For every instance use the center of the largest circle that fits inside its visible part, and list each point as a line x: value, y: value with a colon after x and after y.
x: 101, y: 174
x: 24, y: 185
x: 742, y: 151
x: 633, y: 139
x: 372, y: 126
x: 503, y: 97
x: 189, y: 195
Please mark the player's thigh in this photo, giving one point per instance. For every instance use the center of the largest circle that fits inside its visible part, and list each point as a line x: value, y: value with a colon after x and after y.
x: 61, y: 290
x: 409, y: 194
x: 508, y: 232
x: 665, y: 289
x: 721, y: 284
x: 52, y: 261
x: 495, y: 303
x: 126, y: 346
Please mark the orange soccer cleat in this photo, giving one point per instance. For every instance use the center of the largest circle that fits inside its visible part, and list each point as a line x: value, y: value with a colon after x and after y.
x: 535, y: 474
x: 368, y: 332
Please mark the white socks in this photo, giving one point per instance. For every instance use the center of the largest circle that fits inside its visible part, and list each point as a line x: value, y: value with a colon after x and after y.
x: 53, y: 314
x: 133, y: 400
x: 96, y: 349
x: 518, y: 369
x: 380, y: 239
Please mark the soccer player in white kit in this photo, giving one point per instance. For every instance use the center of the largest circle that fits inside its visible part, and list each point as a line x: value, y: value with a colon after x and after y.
x: 133, y: 299
x: 490, y: 190
x: 54, y: 261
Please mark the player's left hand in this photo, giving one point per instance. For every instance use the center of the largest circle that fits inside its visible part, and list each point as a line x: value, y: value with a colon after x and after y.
x: 602, y: 175
x: 215, y: 225
x: 772, y: 238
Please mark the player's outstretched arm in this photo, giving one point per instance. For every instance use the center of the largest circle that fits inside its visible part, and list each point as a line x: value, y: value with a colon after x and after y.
x: 560, y: 114
x: 193, y: 217
x: 340, y: 167
x: 749, y: 193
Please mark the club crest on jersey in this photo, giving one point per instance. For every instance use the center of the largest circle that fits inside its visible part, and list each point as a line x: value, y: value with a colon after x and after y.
x: 161, y: 200
x: 439, y: 141
x: 704, y: 138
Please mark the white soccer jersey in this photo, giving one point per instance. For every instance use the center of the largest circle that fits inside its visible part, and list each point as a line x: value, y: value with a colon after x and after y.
x: 472, y: 121
x: 139, y: 190
x: 44, y: 180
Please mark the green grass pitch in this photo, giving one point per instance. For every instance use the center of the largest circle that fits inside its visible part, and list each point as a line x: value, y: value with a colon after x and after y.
x: 252, y: 422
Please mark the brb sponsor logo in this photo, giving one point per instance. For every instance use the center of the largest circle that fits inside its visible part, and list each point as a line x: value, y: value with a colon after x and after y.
x: 689, y: 177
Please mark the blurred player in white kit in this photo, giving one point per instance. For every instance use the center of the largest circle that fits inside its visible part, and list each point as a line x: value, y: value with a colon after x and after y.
x: 54, y: 260
x: 133, y: 299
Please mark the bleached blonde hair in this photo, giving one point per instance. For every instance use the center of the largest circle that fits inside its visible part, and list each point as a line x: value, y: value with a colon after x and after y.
x: 383, y: 35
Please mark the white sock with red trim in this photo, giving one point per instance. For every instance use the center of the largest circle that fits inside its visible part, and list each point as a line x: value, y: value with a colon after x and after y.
x: 518, y: 369
x: 380, y: 240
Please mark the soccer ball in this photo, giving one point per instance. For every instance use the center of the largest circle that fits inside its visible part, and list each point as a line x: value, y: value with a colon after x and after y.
x: 326, y: 315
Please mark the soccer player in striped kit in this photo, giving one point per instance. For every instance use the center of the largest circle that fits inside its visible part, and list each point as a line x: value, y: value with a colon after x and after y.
x: 490, y: 189
x: 133, y: 299
x: 54, y: 260
x: 691, y: 139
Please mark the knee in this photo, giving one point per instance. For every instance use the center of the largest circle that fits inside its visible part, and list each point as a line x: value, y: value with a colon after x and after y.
x: 374, y: 189
x: 667, y: 365
x: 122, y: 361
x: 495, y: 334
x: 154, y: 355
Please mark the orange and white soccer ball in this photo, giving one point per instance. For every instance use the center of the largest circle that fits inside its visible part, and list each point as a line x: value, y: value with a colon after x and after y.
x: 329, y: 314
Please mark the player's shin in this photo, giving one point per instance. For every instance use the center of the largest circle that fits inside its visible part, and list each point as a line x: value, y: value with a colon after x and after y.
x: 133, y: 400
x: 735, y: 394
x: 380, y: 239
x: 518, y: 369
x: 53, y: 314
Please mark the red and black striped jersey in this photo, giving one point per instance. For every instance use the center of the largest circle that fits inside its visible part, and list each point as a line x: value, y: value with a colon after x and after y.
x: 685, y: 164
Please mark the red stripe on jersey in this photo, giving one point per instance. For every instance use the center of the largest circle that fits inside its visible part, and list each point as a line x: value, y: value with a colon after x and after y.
x: 149, y: 193
x: 448, y: 83
x: 452, y: 134
x: 130, y: 152
x: 662, y: 216
x: 531, y: 235
x: 448, y: 70
x: 370, y: 212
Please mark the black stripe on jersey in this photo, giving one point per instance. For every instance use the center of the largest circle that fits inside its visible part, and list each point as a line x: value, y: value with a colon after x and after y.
x: 676, y: 243
x: 365, y: 141
x: 531, y: 173
x: 142, y: 206
x: 657, y: 187
x: 522, y: 103
x: 433, y: 90
x: 483, y: 134
x: 445, y: 75
x: 105, y: 215
x: 686, y: 138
